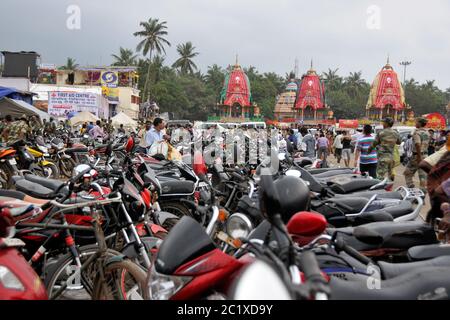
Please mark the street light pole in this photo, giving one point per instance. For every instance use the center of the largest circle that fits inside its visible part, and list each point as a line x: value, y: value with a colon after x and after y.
x: 404, y: 64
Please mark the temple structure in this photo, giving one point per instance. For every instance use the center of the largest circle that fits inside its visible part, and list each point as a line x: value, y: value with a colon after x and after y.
x: 310, y: 104
x: 236, y: 103
x: 284, y: 108
x: 386, y: 98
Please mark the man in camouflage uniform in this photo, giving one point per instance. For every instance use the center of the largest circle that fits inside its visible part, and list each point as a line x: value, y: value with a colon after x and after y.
x: 385, y: 142
x: 19, y: 130
x: 35, y: 126
x: 421, y: 140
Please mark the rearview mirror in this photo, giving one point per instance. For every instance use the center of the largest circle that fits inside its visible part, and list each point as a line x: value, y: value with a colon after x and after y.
x: 269, y: 200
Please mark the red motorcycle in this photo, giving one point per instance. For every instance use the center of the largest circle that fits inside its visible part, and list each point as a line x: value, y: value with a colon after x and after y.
x: 190, y: 266
x: 19, y: 281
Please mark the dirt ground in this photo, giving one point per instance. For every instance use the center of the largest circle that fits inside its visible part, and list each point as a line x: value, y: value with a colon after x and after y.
x: 399, y: 180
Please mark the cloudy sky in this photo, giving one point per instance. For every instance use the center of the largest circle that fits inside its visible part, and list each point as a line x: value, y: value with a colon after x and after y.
x: 351, y: 35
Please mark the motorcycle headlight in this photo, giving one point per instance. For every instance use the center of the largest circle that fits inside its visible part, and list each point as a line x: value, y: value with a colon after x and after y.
x: 9, y: 280
x: 162, y: 287
x: 239, y: 226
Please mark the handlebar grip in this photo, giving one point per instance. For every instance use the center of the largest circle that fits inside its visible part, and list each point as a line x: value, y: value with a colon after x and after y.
x: 237, y: 176
x: 310, y: 267
x: 342, y: 246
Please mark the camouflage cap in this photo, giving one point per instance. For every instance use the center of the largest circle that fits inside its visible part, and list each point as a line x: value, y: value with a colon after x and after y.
x: 389, y: 121
x: 423, y: 121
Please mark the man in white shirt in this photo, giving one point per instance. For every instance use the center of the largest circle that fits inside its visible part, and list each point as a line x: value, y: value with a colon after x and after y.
x: 337, y: 145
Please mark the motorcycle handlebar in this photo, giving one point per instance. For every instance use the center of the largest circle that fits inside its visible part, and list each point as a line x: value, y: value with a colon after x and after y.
x: 310, y: 267
x: 340, y: 245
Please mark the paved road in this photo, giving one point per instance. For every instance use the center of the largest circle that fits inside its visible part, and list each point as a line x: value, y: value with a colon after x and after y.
x: 399, y: 180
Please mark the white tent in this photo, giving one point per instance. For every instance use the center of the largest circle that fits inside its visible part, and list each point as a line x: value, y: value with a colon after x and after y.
x: 16, y: 108
x: 83, y: 117
x: 122, y: 118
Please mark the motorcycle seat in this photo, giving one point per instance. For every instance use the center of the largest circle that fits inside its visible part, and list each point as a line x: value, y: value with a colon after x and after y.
x: 381, y: 194
x: 388, y: 213
x: 171, y: 187
x: 332, y: 173
x: 355, y: 203
x: 426, y: 283
x: 386, y: 234
x: 428, y: 251
x: 76, y: 150
x: 46, y: 182
x: 392, y: 270
x: 399, y: 209
x: 322, y: 170
x: 34, y: 189
x: 353, y: 185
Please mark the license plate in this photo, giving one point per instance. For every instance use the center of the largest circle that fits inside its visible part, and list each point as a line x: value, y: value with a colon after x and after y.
x: 12, y: 161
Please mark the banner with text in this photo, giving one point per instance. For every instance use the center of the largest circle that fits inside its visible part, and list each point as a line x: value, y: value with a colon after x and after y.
x: 60, y: 103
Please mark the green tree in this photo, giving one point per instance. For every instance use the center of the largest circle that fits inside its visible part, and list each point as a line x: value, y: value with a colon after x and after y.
x: 154, y: 33
x: 354, y: 83
x: 70, y: 65
x: 332, y: 80
x: 185, y: 63
x: 126, y: 57
x: 215, y: 78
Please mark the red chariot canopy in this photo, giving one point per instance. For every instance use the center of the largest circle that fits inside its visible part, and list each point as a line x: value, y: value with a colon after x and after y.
x: 311, y: 92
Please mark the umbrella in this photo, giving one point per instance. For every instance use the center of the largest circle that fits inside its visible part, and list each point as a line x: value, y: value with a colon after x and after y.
x: 83, y: 117
x: 71, y: 114
x: 122, y: 118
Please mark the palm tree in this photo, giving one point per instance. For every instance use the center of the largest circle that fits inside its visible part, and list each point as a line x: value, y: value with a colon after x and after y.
x: 332, y: 79
x: 184, y: 62
x: 70, y: 65
x: 126, y: 57
x: 153, y: 34
x: 354, y: 83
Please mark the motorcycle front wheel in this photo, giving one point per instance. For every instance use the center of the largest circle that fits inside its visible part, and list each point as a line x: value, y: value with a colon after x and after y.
x: 51, y: 171
x: 67, y: 166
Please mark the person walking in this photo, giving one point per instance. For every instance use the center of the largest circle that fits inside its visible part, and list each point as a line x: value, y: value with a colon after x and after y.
x: 367, y: 161
x: 293, y: 138
x: 346, y: 148
x: 337, y: 145
x: 322, y: 147
x: 308, y: 143
x: 385, y: 142
x: 121, y: 129
x: 421, y: 140
x: 97, y: 131
x: 432, y: 144
x: 143, y: 147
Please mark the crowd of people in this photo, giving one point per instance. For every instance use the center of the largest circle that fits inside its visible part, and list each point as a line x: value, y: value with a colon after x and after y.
x: 375, y: 154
